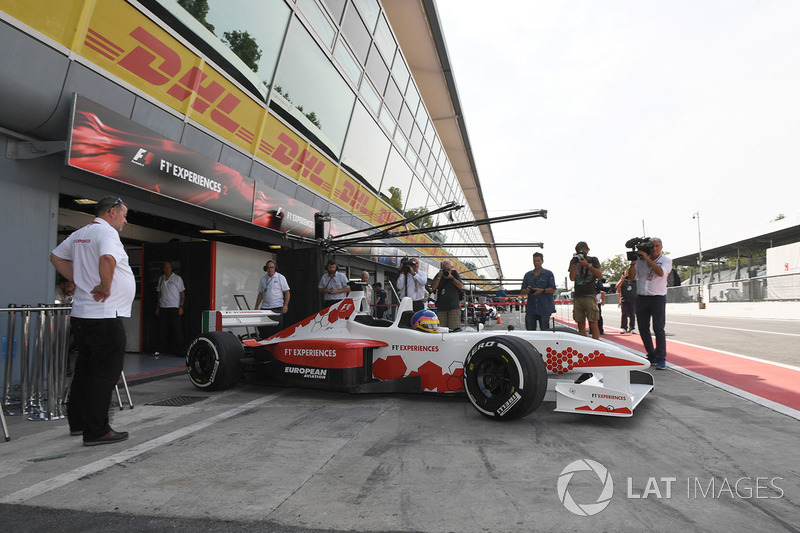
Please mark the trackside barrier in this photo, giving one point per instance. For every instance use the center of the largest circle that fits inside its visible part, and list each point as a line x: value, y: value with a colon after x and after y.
x: 36, y: 363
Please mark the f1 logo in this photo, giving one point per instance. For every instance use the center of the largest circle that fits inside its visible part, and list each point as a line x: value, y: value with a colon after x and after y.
x: 141, y: 158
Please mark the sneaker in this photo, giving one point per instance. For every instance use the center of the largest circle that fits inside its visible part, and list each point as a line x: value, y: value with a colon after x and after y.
x: 632, y: 330
x: 661, y: 364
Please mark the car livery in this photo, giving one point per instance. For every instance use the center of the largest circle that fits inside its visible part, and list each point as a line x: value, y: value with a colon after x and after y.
x: 505, y: 374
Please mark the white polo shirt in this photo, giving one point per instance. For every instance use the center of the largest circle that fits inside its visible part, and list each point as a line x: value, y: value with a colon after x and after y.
x: 338, y: 281
x: 84, y: 248
x: 648, y: 283
x: 169, y: 291
x: 272, y: 289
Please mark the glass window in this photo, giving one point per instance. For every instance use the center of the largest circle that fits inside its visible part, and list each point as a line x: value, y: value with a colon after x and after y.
x: 424, y: 153
x: 303, y: 70
x: 366, y: 148
x: 369, y: 10
x: 397, y: 176
x: 356, y: 34
x: 422, y: 116
x: 377, y: 70
x: 393, y: 98
x: 400, y: 71
x: 400, y: 141
x: 406, y: 120
x: 266, y: 23
x: 416, y: 138
x: 384, y: 40
x: 412, y: 98
x: 417, y: 199
x: 370, y: 96
x: 349, y: 64
x: 387, y: 121
x: 430, y: 133
x: 316, y: 17
x: 335, y: 7
x: 411, y: 156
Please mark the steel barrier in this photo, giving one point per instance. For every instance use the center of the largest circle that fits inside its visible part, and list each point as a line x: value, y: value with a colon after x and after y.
x: 42, y: 336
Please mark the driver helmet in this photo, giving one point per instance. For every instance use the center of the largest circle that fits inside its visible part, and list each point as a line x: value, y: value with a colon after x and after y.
x: 425, y: 320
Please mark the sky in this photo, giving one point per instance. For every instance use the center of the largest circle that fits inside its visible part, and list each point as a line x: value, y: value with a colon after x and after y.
x: 624, y: 118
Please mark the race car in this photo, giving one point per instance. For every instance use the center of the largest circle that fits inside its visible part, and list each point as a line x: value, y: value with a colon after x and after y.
x: 505, y: 375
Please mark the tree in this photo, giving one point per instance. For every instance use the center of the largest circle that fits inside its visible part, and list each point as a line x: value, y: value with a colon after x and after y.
x: 199, y: 10
x: 396, y: 201
x: 244, y: 46
x: 424, y: 222
x: 780, y: 216
x: 613, y: 268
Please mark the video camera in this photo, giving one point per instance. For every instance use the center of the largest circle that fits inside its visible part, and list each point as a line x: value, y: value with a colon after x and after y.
x: 638, y: 244
x: 405, y: 265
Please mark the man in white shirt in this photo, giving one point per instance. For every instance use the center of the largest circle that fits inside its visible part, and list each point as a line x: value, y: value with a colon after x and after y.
x: 95, y: 260
x: 411, y: 282
x: 650, y: 272
x: 171, y: 295
x: 273, y: 295
x: 333, y: 285
x: 367, y: 291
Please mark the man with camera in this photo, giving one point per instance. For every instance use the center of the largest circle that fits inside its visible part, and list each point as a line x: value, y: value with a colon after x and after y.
x: 650, y: 271
x: 584, y: 271
x: 411, y: 282
x: 539, y: 285
x: 447, y: 285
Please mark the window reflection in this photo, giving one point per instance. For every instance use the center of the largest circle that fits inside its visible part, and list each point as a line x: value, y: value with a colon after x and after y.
x: 265, y: 23
x: 303, y: 70
x: 336, y: 7
x: 369, y: 10
x: 356, y: 34
x: 347, y: 62
x: 396, y: 181
x: 400, y: 72
x: 318, y: 21
x: 417, y: 204
x: 367, y: 147
x: 377, y: 70
x: 370, y: 96
x: 384, y: 40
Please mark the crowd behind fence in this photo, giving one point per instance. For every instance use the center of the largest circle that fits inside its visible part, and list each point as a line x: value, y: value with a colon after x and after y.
x: 782, y: 287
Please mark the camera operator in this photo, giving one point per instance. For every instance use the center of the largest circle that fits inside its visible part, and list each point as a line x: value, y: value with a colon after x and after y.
x: 539, y: 285
x: 447, y: 285
x: 650, y: 271
x: 411, y: 282
x: 584, y: 271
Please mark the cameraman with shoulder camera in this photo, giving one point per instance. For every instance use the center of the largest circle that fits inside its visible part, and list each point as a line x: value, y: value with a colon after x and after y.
x: 411, y: 282
x: 447, y: 285
x: 584, y: 271
x: 650, y: 271
x: 539, y: 285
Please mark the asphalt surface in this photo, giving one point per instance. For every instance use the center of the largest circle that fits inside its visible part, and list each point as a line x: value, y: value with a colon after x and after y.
x: 259, y: 458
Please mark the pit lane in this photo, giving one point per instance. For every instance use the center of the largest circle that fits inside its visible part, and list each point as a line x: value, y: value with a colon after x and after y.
x: 268, y: 459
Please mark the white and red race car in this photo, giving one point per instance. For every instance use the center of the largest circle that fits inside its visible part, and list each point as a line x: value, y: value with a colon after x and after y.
x: 505, y: 374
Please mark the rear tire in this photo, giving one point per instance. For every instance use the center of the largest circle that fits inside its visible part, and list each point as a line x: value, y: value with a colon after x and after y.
x: 505, y: 377
x: 213, y: 361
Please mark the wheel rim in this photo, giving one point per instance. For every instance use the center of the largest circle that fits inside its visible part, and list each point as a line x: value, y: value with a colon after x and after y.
x: 202, y: 361
x: 493, y: 378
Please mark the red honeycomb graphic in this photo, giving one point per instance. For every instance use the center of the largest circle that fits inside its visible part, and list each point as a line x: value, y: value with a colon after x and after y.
x: 393, y: 367
x: 567, y: 359
x: 431, y: 374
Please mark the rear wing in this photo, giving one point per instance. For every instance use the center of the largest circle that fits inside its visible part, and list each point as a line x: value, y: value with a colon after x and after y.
x: 245, y: 318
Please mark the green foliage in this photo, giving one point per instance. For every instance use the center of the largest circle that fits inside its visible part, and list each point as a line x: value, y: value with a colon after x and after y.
x: 199, y: 10
x: 424, y: 222
x: 244, y: 46
x: 614, y: 267
x: 396, y: 201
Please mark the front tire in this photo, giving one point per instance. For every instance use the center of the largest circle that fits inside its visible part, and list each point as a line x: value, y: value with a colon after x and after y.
x: 505, y: 377
x: 213, y: 361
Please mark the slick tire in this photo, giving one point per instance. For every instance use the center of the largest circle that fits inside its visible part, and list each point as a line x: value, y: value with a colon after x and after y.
x: 505, y: 377
x: 213, y: 361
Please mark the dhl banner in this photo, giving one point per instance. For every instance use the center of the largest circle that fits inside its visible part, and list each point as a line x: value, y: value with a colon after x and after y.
x: 118, y: 38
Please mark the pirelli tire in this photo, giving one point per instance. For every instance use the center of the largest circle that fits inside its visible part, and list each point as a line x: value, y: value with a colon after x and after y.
x: 505, y: 377
x: 213, y: 361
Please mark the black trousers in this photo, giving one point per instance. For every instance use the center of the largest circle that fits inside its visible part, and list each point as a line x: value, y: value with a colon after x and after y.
x: 101, y: 355
x: 268, y: 331
x: 170, y: 330
x: 655, y: 308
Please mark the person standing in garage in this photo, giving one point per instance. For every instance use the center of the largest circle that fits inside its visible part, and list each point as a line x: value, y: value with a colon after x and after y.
x: 171, y: 295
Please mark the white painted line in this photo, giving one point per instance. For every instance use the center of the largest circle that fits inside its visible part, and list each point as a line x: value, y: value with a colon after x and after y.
x: 735, y: 329
x: 107, y: 462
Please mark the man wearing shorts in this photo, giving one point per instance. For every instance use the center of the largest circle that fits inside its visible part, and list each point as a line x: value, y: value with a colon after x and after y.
x: 584, y: 271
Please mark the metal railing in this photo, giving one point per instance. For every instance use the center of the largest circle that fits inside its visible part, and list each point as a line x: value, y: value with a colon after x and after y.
x: 783, y: 287
x: 40, y: 338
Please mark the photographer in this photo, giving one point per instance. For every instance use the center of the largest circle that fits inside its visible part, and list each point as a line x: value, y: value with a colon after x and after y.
x: 627, y: 302
x: 539, y: 285
x: 584, y: 271
x: 411, y: 282
x: 650, y: 271
x: 447, y: 285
